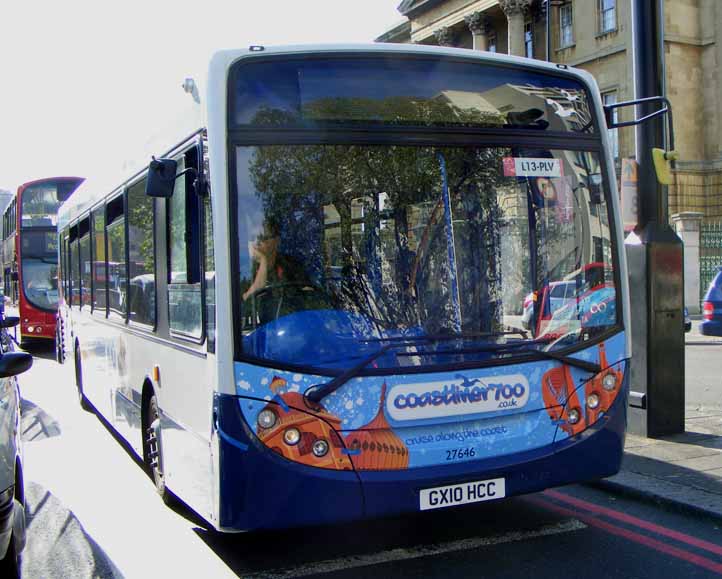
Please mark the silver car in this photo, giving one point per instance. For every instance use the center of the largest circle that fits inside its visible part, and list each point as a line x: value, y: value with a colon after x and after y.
x: 12, y: 509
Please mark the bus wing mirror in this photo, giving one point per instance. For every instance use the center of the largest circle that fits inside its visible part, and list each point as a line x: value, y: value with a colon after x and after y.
x: 14, y: 363
x: 161, y: 178
x: 9, y: 322
x: 662, y: 164
x: 14, y: 276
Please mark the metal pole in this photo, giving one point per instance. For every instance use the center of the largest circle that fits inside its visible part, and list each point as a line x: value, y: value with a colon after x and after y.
x: 658, y: 380
x: 648, y: 19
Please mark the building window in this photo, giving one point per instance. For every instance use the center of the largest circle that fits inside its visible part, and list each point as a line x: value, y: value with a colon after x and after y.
x: 610, y: 98
x: 607, y: 16
x: 491, y: 47
x: 528, y: 40
x: 566, y: 26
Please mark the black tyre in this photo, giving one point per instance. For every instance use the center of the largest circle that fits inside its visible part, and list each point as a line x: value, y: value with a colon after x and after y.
x: 10, y: 564
x: 84, y: 404
x: 59, y: 346
x: 153, y: 449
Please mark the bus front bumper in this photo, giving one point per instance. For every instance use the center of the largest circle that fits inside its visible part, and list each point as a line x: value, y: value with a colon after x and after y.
x: 261, y: 490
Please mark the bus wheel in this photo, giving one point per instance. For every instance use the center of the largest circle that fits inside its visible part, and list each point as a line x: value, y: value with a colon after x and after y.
x: 10, y: 564
x: 59, y: 346
x: 153, y: 449
x: 84, y: 404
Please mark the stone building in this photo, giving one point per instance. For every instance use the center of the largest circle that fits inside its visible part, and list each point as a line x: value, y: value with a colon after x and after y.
x: 596, y: 35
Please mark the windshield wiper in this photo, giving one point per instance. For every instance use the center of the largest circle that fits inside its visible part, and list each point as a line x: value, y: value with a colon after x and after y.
x: 592, y: 367
x: 318, y: 392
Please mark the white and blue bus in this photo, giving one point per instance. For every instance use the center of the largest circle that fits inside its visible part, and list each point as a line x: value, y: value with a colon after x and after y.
x: 308, y: 308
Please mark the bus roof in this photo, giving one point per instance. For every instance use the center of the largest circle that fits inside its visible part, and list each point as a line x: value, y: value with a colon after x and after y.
x: 221, y: 60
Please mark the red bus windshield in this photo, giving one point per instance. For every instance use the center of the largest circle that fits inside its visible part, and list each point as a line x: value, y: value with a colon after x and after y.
x: 37, y: 247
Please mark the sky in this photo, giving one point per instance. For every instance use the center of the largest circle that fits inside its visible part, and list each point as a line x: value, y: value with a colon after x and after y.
x: 85, y: 84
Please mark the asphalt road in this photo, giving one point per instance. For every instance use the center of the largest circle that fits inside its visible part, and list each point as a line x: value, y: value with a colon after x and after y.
x: 94, y: 513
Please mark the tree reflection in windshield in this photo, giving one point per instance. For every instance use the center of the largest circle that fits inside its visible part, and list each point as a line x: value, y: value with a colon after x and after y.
x: 398, y: 241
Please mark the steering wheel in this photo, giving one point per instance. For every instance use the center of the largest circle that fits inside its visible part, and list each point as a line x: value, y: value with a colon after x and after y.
x: 299, y: 287
x: 303, y: 286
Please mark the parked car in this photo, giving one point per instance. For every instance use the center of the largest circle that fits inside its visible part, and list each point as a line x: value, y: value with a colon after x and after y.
x: 712, y: 307
x: 12, y: 500
x: 687, y: 321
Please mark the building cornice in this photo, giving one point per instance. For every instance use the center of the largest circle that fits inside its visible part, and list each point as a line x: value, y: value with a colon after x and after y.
x: 605, y: 52
x: 399, y: 33
x: 692, y: 40
x: 451, y: 19
x: 412, y: 8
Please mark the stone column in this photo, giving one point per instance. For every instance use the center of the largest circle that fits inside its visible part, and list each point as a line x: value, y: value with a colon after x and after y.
x: 688, y: 227
x: 444, y: 36
x: 515, y: 10
x: 480, y: 26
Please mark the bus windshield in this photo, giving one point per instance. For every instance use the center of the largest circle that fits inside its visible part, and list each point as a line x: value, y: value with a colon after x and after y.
x: 40, y: 268
x: 428, y: 252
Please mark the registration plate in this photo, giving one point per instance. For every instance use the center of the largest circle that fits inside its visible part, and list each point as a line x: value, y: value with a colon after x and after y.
x: 462, y: 494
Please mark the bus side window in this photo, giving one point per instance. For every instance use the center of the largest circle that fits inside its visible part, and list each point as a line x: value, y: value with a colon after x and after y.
x: 141, y: 255
x: 84, y: 262
x: 61, y: 268
x: 209, y: 266
x: 74, y: 269
x: 185, y: 309
x: 116, y: 270
x: 100, y: 290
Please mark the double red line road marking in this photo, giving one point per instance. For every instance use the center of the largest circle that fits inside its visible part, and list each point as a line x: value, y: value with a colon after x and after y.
x: 591, y: 514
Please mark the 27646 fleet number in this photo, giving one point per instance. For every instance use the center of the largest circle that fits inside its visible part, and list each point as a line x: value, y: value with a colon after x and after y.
x: 460, y: 453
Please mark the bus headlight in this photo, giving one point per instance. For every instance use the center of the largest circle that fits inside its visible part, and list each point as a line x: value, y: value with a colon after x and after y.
x: 573, y: 416
x: 609, y: 382
x: 292, y: 436
x: 320, y: 448
x: 267, y: 418
x: 593, y: 401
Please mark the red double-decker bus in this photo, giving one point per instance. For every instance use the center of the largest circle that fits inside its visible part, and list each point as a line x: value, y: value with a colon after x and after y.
x: 30, y: 252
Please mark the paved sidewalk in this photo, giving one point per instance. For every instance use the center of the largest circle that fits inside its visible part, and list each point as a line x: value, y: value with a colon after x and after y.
x: 684, y: 470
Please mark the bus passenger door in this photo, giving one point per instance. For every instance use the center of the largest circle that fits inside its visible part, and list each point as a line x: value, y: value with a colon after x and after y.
x: 186, y: 317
